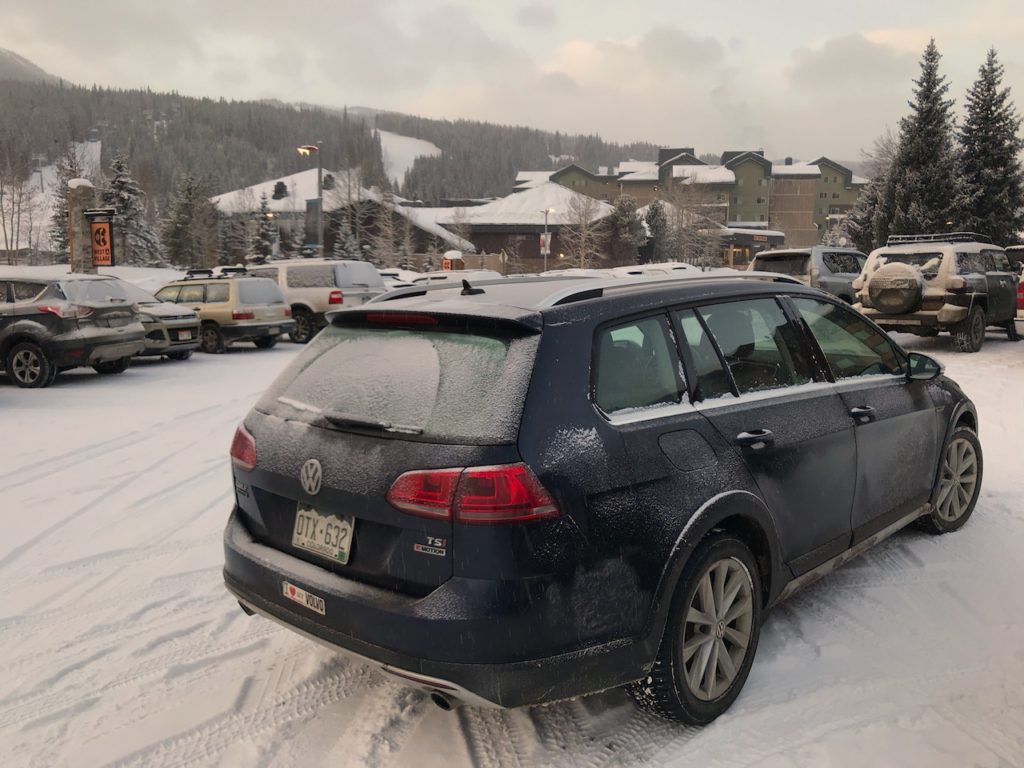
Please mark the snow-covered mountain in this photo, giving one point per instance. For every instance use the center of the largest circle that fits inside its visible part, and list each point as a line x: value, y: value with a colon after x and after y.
x: 15, y: 67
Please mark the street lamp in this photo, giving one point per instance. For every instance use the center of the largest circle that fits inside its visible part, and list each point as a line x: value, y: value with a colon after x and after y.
x: 310, y: 149
x: 545, y: 248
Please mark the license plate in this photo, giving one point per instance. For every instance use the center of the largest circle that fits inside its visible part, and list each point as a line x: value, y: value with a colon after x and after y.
x: 274, y: 331
x: 325, y: 535
x: 302, y: 597
x: 184, y: 335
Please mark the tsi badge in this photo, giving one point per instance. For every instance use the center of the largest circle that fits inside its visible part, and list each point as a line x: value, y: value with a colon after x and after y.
x: 434, y: 546
x: 311, y: 475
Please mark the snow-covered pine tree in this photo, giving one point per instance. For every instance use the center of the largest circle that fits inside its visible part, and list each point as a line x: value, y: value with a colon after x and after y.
x: 990, y: 150
x: 924, y: 190
x: 67, y: 168
x: 627, y: 231
x: 660, y: 233
x: 124, y: 194
x: 264, y: 229
x: 345, y: 244
x: 190, y: 230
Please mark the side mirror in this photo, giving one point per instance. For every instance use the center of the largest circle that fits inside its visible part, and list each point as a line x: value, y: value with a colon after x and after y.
x: 923, y: 368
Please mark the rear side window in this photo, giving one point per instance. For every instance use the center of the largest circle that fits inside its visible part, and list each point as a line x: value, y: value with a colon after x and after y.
x: 970, y: 263
x: 786, y: 264
x: 257, y: 290
x: 712, y: 379
x: 217, y: 293
x: 23, y: 291
x: 762, y: 349
x: 851, y: 346
x: 636, y: 366
x: 311, y: 276
x: 439, y: 386
x: 842, y: 263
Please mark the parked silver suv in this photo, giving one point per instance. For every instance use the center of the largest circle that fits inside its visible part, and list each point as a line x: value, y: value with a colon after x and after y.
x: 314, y: 287
x: 829, y: 269
x: 924, y: 284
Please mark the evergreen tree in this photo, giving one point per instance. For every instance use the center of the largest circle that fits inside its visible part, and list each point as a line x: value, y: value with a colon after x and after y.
x: 124, y: 195
x: 990, y: 149
x: 924, y: 191
x: 345, y: 244
x: 265, y: 229
x: 659, y: 232
x: 860, y: 223
x: 68, y: 168
x: 190, y: 236
x: 627, y: 231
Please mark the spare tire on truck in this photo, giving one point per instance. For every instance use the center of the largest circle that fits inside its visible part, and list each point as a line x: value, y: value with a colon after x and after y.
x: 896, y: 288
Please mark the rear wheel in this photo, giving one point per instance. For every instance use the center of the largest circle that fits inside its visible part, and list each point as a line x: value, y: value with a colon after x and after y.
x: 28, y: 365
x: 969, y: 333
x: 959, y: 483
x: 304, y: 329
x: 113, y: 366
x: 266, y: 342
x: 711, y: 636
x: 211, y: 339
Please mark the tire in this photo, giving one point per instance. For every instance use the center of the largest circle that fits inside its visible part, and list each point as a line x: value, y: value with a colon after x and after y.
x: 305, y: 328
x: 265, y: 342
x: 955, y: 499
x: 896, y: 289
x: 29, y: 366
x: 969, y: 333
x: 111, y: 367
x: 1011, y: 331
x: 667, y: 690
x: 179, y: 355
x: 211, y: 340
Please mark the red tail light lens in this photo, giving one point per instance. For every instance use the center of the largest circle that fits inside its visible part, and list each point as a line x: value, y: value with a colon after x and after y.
x: 336, y: 297
x: 242, y: 314
x: 287, y: 311
x: 1020, y: 296
x: 67, y: 310
x: 426, y: 493
x: 510, y: 493
x: 243, y: 449
x: 399, y: 318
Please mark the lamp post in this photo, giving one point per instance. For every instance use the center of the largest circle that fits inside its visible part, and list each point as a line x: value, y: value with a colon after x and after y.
x: 310, y: 149
x: 545, y: 249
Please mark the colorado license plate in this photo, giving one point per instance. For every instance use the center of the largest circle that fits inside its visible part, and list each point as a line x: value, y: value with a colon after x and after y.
x: 273, y: 331
x: 325, y: 535
x: 184, y: 335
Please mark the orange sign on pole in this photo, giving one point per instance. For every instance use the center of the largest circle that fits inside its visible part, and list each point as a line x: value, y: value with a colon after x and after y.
x: 102, y: 243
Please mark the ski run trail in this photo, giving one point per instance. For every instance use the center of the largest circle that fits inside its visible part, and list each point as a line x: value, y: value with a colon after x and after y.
x: 120, y: 646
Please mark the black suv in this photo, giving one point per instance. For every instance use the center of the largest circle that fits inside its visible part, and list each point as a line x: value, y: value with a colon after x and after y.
x: 48, y: 325
x: 517, y: 492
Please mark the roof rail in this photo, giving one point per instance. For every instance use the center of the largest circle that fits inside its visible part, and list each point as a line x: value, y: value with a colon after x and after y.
x: 941, y: 237
x: 196, y: 273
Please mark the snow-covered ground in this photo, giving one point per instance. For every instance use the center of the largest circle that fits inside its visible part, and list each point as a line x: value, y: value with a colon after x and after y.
x: 401, y: 151
x: 118, y: 644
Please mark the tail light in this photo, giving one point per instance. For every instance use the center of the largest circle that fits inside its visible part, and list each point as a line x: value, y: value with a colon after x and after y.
x: 336, y: 297
x: 287, y: 311
x: 242, y: 314
x: 1020, y: 296
x: 67, y: 310
x: 508, y: 493
x: 399, y: 318
x: 243, y: 449
x: 956, y: 284
x: 427, y: 494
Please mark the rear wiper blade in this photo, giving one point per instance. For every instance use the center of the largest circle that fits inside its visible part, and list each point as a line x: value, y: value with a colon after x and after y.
x: 339, y: 419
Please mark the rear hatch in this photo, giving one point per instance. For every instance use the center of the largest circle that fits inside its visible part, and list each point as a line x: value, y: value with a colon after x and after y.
x: 368, y: 400
x: 263, y: 299
x: 108, y: 302
x: 795, y: 264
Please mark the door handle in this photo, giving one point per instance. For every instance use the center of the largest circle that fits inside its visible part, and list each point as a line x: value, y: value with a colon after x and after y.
x: 863, y: 413
x: 755, y: 439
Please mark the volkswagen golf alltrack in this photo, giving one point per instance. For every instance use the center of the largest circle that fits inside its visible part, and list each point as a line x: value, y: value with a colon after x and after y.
x: 527, y: 490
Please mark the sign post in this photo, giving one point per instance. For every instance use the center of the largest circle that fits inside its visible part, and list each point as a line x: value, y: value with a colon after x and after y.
x: 101, y: 234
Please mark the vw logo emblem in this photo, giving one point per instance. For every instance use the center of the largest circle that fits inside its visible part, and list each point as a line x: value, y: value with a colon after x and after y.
x: 311, y: 475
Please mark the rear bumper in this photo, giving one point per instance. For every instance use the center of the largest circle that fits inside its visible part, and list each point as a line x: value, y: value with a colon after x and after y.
x: 948, y: 315
x: 252, y: 331
x: 95, y: 345
x: 460, y: 639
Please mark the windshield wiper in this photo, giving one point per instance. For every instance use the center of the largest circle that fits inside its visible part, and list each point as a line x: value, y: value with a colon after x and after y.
x: 339, y: 419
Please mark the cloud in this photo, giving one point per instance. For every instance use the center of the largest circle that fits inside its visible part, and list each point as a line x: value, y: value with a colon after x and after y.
x: 537, y: 16
x: 851, y: 61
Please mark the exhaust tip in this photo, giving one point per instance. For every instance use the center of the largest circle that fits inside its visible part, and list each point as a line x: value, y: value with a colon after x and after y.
x: 441, y: 700
x: 246, y: 609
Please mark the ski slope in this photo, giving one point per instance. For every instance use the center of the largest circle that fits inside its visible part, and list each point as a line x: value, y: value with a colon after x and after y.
x: 400, y: 152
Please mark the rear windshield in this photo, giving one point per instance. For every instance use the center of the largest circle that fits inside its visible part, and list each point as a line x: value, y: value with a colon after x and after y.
x: 927, y: 262
x: 438, y: 386
x: 786, y: 264
x: 259, y: 290
x: 843, y: 263
x: 95, y: 290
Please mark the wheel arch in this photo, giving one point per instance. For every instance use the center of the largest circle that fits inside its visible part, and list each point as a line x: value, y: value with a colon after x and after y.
x: 964, y: 415
x: 15, y: 338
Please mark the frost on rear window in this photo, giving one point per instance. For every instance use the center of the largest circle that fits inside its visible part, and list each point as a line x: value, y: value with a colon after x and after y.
x: 312, y: 276
x: 928, y: 263
x: 444, y: 386
x: 259, y: 290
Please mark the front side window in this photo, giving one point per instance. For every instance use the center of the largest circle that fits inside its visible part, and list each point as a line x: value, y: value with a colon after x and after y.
x: 191, y: 294
x: 851, y: 346
x: 762, y: 349
x: 999, y: 261
x: 635, y: 366
x: 170, y: 293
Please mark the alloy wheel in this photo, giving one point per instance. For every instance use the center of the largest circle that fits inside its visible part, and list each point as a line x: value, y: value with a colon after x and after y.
x: 26, y: 366
x: 959, y: 480
x: 717, y: 629
x: 978, y: 330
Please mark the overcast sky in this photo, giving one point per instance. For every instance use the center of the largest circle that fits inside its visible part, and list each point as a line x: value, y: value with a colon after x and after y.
x: 794, y: 77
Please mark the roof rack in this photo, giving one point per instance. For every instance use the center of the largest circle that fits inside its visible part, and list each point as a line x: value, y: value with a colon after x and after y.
x: 206, y: 273
x: 942, y: 237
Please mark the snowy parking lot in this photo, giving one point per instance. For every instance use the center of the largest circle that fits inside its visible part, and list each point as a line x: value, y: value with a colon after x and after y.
x: 119, y: 644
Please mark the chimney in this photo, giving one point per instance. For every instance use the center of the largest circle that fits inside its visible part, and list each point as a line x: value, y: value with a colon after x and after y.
x: 789, y: 161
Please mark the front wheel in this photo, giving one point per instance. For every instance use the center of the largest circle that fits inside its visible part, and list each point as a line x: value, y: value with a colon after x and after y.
x: 959, y: 483
x: 969, y: 333
x: 711, y: 636
x: 266, y: 342
x: 113, y: 366
x: 211, y: 340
